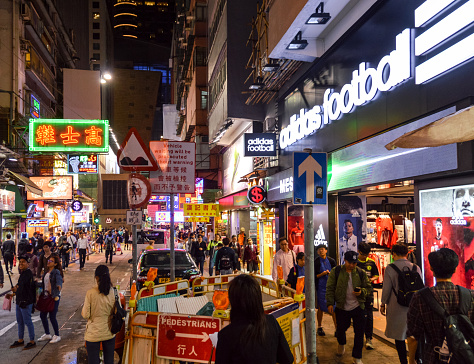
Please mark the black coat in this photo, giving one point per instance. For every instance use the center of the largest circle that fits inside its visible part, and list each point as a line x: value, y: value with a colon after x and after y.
x: 26, y: 291
x: 274, y: 349
x: 195, y: 252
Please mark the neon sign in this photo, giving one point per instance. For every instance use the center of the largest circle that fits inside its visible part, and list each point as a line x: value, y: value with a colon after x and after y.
x: 35, y: 107
x: 63, y: 135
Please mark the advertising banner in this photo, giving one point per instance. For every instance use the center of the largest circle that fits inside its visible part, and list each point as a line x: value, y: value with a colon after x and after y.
x: 54, y: 188
x: 82, y: 164
x: 447, y: 221
x: 202, y: 209
x: 259, y: 145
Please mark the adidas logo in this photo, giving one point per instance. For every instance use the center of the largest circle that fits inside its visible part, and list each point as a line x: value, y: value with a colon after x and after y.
x: 320, y: 238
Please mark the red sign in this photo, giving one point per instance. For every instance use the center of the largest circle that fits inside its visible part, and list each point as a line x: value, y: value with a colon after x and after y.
x: 186, y: 338
x: 134, y: 155
x: 257, y: 194
x: 139, y: 191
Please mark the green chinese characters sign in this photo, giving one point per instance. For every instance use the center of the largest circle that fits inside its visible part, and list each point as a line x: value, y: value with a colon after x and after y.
x: 65, y: 135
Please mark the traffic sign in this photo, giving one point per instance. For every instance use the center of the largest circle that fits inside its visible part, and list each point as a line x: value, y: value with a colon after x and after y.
x: 134, y: 217
x: 309, y: 178
x: 134, y: 155
x: 139, y: 190
x: 256, y: 194
x: 185, y: 337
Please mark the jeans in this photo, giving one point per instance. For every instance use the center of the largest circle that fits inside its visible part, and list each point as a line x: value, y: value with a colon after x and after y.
x: 8, y: 259
x: 369, y: 320
x: 52, y: 318
x: 107, y: 253
x: 65, y: 260
x: 93, y: 350
x: 200, y: 263
x: 82, y: 257
x: 73, y: 254
x: 343, y: 320
x: 23, y: 317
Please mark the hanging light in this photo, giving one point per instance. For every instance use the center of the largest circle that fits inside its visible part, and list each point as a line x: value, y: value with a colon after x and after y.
x: 319, y: 17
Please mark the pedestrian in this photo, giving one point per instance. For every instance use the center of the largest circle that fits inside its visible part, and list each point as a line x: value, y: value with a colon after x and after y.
x: 322, y: 267
x: 52, y: 285
x: 65, y: 250
x: 98, y: 242
x: 126, y: 237
x: 370, y: 268
x: 348, y: 286
x: 423, y: 324
x: 212, y: 260
x: 59, y: 243
x: 296, y: 271
x: 8, y: 251
x: 43, y: 259
x: 1, y: 276
x: 285, y: 258
x: 396, y: 314
x: 34, y: 261
x: 98, y: 305
x: 72, y: 238
x: 39, y: 244
x: 22, y: 244
x: 119, y: 243
x: 212, y: 244
x: 197, y: 252
x: 251, y: 337
x: 151, y: 245
x: 251, y: 256
x: 225, y: 259
x: 33, y: 240
x: 25, y: 292
x: 238, y: 252
x: 82, y: 245
x: 109, y: 242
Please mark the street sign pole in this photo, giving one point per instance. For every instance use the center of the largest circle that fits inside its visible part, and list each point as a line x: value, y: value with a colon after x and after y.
x: 310, y: 289
x: 172, y: 262
x: 134, y: 252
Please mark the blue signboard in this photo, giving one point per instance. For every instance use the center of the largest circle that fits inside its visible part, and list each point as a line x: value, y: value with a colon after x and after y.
x: 309, y: 178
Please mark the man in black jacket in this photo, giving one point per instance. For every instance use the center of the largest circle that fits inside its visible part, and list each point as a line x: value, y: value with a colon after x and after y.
x: 225, y: 259
x: 197, y: 252
x: 22, y: 244
x: 8, y: 250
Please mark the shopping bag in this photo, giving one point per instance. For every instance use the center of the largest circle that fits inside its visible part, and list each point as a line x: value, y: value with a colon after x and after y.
x: 14, y: 261
x: 45, y: 303
x: 7, y: 303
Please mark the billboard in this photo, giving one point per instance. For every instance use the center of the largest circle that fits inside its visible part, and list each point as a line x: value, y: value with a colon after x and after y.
x: 67, y: 135
x: 54, y: 188
x: 259, y: 145
x: 447, y: 221
x: 82, y: 164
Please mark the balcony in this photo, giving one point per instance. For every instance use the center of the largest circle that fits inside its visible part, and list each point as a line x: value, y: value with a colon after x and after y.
x: 40, y: 74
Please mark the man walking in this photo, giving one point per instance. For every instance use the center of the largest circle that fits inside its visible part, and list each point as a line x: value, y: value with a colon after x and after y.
x: 323, y: 264
x: 109, y: 246
x: 348, y: 286
x: 8, y: 248
x: 370, y: 268
x: 422, y: 322
x: 251, y: 256
x: 285, y: 258
x: 197, y: 252
x: 82, y: 244
x: 65, y: 250
x: 225, y: 259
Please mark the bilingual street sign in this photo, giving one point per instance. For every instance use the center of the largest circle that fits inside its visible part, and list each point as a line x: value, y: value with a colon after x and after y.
x: 134, y: 217
x: 309, y: 178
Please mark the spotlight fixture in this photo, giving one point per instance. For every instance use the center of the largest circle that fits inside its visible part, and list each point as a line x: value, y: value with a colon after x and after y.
x: 297, y: 43
x: 273, y: 66
x: 258, y: 84
x: 319, y: 17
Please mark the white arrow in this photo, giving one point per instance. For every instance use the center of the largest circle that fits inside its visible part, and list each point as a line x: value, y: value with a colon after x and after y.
x: 310, y: 166
x: 204, y: 336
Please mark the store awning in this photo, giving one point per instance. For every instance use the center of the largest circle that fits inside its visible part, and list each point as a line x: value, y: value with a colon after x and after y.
x: 83, y: 195
x: 29, y: 184
x: 454, y: 128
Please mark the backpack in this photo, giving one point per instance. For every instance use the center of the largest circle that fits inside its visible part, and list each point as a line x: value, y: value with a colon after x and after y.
x: 109, y: 242
x: 117, y: 317
x: 409, y: 282
x: 458, y: 345
x: 225, y: 262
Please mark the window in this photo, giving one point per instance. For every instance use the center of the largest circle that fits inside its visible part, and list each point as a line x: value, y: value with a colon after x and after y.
x: 203, y: 100
x: 201, y: 13
x: 149, y: 3
x: 95, y: 25
x: 216, y: 20
x: 96, y: 67
x: 96, y: 56
x: 217, y: 85
x: 114, y: 194
x: 96, y: 36
x: 200, y: 56
x: 95, y: 16
x: 96, y: 46
x: 95, y: 5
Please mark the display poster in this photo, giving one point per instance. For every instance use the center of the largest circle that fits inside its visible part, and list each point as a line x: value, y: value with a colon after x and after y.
x: 352, y: 225
x: 447, y: 221
x: 289, y: 321
x: 82, y: 164
x: 235, y: 167
x: 296, y: 228
x: 54, y: 188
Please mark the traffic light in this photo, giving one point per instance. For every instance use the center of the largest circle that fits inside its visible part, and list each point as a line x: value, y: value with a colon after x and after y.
x: 96, y: 219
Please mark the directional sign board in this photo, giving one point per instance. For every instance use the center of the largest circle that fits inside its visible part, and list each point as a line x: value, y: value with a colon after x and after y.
x: 185, y: 337
x: 309, y: 178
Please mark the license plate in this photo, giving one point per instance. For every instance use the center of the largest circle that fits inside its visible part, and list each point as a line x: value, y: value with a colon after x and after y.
x: 163, y: 280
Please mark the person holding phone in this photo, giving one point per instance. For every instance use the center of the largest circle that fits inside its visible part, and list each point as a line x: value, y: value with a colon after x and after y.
x: 348, y: 286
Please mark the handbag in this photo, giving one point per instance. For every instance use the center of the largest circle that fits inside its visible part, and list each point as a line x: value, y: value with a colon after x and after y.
x: 7, y: 304
x: 117, y: 316
x: 45, y: 302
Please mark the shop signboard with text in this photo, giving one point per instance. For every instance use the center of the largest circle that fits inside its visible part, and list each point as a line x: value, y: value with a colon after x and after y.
x: 235, y: 166
x: 202, y: 209
x: 259, y: 145
x: 82, y: 164
x: 54, y: 188
x: 66, y: 135
x: 447, y: 221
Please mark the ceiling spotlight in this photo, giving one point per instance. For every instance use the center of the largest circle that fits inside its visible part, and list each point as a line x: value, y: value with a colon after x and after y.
x: 102, y: 80
x: 273, y: 66
x: 297, y: 43
x: 258, y: 84
x: 107, y: 76
x: 319, y: 17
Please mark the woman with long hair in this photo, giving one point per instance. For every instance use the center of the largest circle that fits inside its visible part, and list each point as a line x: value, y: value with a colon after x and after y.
x: 97, y: 308
x: 252, y: 337
x: 52, y: 285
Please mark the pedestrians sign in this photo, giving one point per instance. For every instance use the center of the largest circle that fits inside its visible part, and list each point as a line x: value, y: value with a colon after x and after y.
x: 185, y: 337
x: 139, y: 191
x: 309, y: 178
x: 134, y: 217
x: 134, y: 155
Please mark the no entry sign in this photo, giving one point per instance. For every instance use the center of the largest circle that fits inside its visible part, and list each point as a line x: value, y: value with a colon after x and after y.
x: 186, y: 338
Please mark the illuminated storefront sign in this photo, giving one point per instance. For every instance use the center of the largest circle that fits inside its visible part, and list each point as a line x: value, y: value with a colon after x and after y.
x: 164, y: 216
x: 7, y: 200
x: 259, y: 145
x: 54, y: 188
x: 35, y: 107
x: 438, y: 24
x: 38, y: 223
x: 64, y: 135
x: 83, y: 164
x: 203, y: 209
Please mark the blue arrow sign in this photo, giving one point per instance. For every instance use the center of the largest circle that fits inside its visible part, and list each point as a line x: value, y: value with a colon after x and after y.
x: 309, y: 178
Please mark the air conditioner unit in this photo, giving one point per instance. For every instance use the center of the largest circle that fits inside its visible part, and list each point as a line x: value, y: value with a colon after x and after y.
x: 25, y: 12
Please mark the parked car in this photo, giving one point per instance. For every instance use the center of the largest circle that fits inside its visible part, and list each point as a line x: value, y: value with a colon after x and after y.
x: 185, y: 267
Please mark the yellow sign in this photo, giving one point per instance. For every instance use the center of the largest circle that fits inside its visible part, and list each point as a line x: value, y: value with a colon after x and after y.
x: 203, y: 209
x: 197, y: 219
x: 288, y: 319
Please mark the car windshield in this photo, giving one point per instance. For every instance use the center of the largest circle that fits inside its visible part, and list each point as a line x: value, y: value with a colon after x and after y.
x: 160, y: 259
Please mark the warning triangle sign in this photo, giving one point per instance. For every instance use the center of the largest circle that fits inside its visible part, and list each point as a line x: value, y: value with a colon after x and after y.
x: 134, y: 154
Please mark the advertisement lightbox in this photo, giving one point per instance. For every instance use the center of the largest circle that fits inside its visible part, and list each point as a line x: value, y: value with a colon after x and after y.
x: 259, y: 145
x: 54, y: 188
x: 447, y: 221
